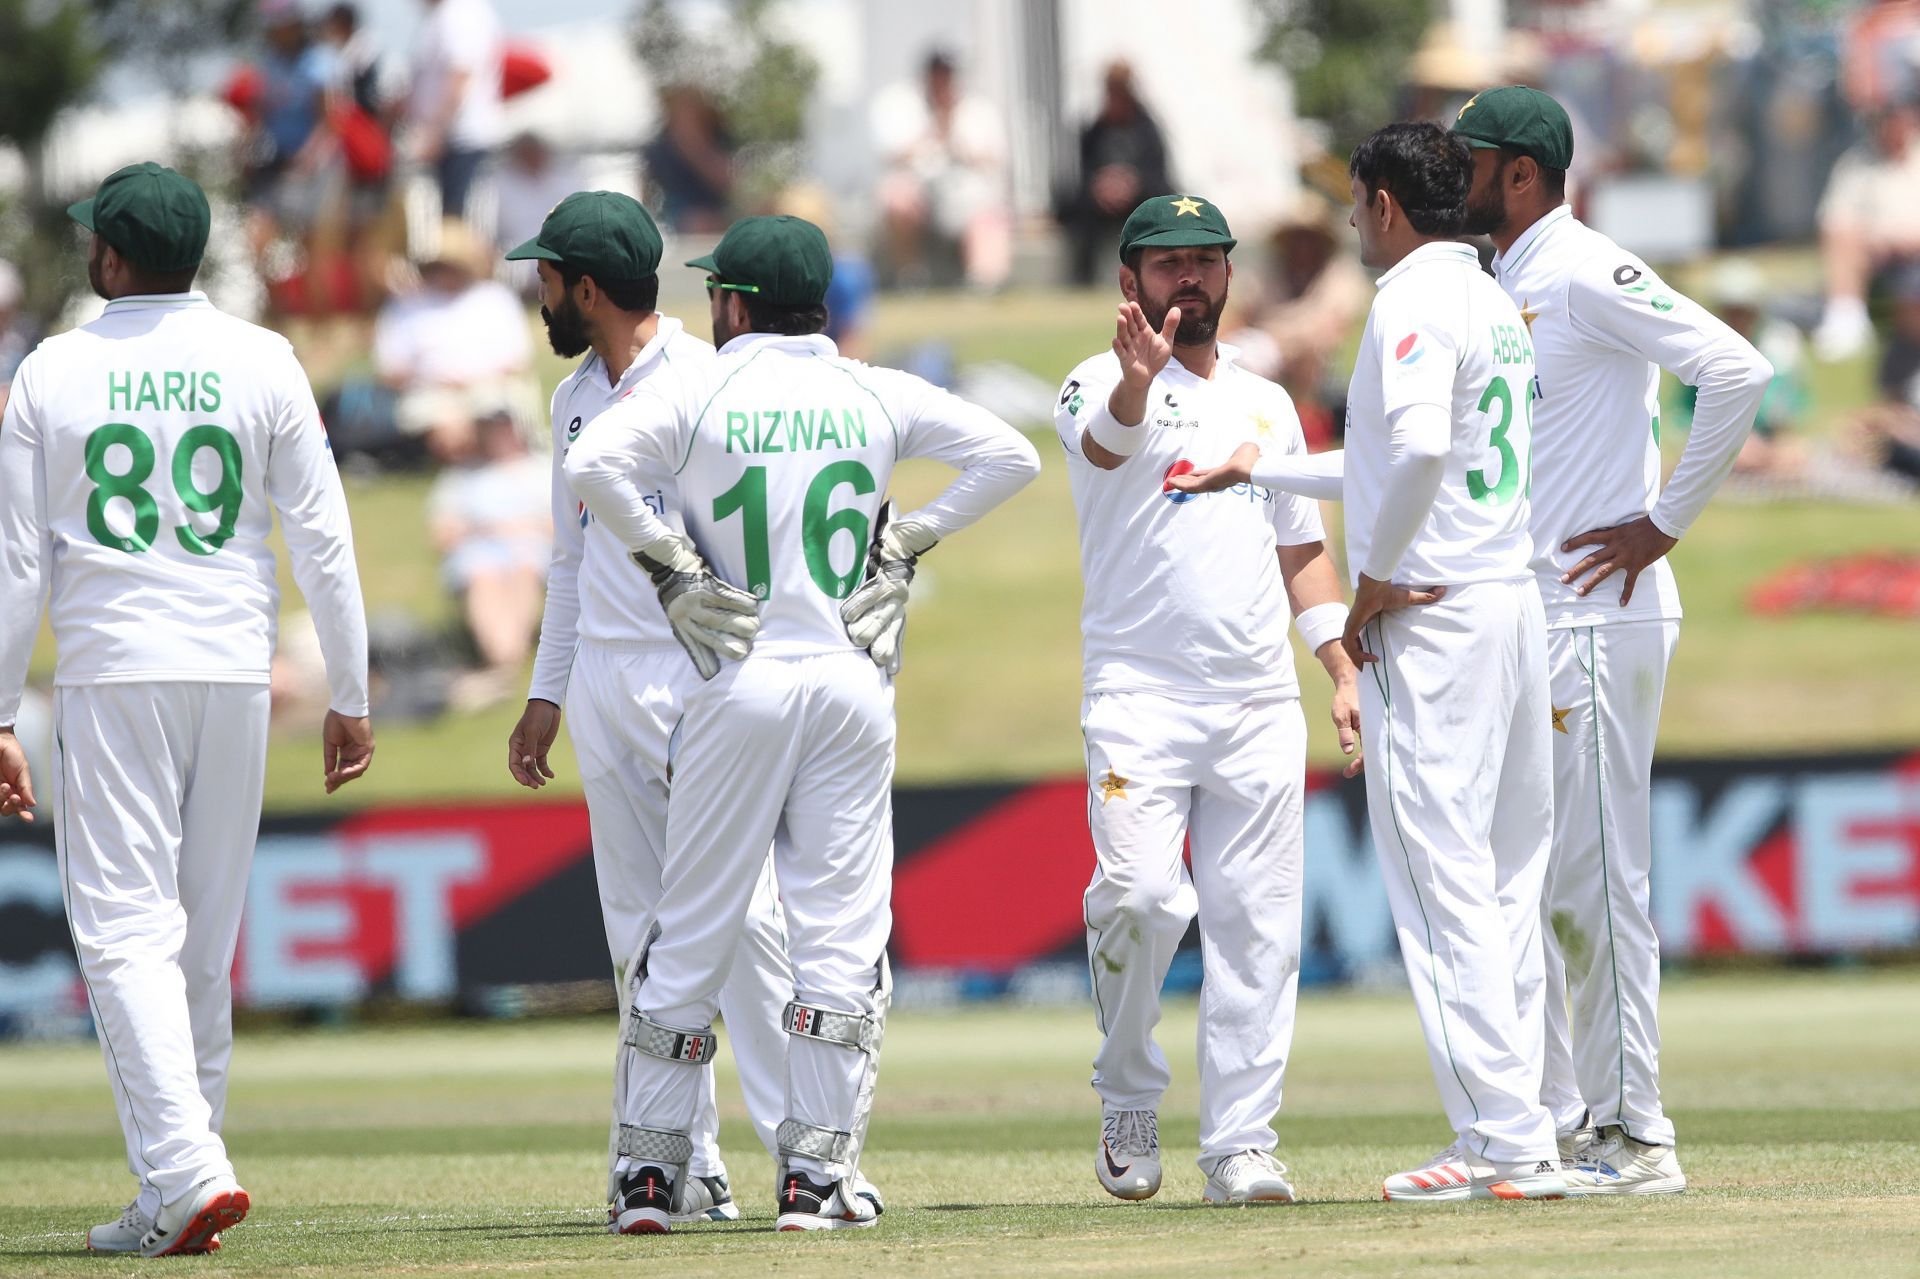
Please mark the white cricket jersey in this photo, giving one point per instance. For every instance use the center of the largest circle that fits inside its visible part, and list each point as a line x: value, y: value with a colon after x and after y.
x: 1603, y: 323
x: 1441, y: 335
x: 1182, y: 591
x: 782, y: 450
x: 142, y: 459
x: 594, y: 589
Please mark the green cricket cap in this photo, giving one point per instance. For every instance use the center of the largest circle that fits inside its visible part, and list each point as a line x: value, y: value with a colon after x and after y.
x: 1518, y: 119
x: 599, y: 233
x: 783, y: 260
x: 153, y: 217
x: 1176, y: 221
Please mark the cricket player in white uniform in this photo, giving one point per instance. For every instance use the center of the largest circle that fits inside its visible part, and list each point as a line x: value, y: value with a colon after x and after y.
x: 782, y: 452
x: 143, y: 458
x: 1603, y: 325
x: 1453, y: 705
x: 606, y: 652
x: 1192, y: 715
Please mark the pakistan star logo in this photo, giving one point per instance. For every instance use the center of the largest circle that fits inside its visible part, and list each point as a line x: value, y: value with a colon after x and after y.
x: 1112, y: 786
x: 1263, y: 426
x: 1560, y: 719
x: 1469, y: 105
x: 1185, y: 205
x: 1528, y: 315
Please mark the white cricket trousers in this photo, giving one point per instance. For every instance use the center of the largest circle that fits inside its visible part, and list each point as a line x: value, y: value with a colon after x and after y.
x: 622, y: 703
x: 1227, y: 778
x: 1603, y: 1038
x: 156, y: 804
x: 1460, y: 797
x: 802, y: 745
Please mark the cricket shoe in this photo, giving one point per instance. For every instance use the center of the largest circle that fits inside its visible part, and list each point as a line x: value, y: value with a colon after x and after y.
x: 1575, y: 1145
x: 1129, y: 1162
x: 645, y: 1203
x: 1250, y: 1177
x: 192, y: 1224
x: 1616, y: 1164
x: 125, y: 1234
x: 864, y: 1189
x: 1452, y: 1176
x: 807, y: 1204
x: 705, y: 1199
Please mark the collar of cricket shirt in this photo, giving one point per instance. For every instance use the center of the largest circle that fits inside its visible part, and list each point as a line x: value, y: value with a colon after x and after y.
x: 1505, y: 262
x: 1431, y: 251
x: 797, y: 344
x: 136, y: 301
x: 649, y: 356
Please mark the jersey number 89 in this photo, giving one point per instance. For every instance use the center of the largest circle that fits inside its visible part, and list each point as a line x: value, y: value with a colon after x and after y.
x: 130, y: 484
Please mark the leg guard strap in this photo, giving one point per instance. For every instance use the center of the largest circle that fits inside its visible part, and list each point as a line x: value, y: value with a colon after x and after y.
x: 829, y: 1145
x: 850, y: 1030
x: 695, y: 1047
x: 655, y: 1145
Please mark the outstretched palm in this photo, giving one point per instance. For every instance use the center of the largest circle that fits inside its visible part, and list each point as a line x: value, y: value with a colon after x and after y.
x: 1143, y: 350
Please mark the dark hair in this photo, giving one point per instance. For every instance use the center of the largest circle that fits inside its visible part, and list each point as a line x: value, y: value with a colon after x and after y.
x: 347, y: 15
x: 938, y: 60
x: 640, y: 295
x: 1426, y: 169
x: 790, y: 321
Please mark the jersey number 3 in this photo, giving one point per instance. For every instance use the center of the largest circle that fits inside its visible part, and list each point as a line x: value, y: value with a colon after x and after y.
x: 1498, y: 397
x: 130, y: 484
x: 818, y: 525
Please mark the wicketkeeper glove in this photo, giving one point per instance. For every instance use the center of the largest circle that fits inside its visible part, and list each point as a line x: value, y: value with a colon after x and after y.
x: 712, y: 619
x: 875, y: 615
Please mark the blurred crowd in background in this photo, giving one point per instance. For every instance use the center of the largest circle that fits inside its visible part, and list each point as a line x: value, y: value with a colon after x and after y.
x: 1768, y: 151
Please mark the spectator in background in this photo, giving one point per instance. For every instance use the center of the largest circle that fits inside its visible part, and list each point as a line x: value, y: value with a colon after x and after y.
x: 15, y: 337
x: 285, y: 178
x: 357, y: 112
x: 1889, y: 432
x: 1869, y: 222
x: 946, y: 183
x: 491, y: 519
x: 531, y: 180
x: 356, y: 59
x: 1302, y: 309
x: 1738, y: 292
x: 453, y: 107
x: 1123, y: 160
x: 689, y: 163
x: 455, y: 351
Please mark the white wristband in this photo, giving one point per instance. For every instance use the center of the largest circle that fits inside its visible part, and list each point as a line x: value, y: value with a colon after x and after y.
x: 1321, y: 623
x: 1113, y: 435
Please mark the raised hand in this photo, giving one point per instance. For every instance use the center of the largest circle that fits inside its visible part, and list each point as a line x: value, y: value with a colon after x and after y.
x: 1143, y: 351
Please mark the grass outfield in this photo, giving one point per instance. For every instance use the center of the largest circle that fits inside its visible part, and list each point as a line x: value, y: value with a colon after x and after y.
x: 453, y: 1148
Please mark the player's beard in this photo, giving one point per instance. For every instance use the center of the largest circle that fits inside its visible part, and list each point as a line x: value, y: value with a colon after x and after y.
x: 1199, y: 316
x: 1488, y: 213
x: 566, y: 329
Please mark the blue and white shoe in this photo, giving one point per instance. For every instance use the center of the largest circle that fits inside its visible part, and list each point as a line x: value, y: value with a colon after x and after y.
x: 1616, y: 1164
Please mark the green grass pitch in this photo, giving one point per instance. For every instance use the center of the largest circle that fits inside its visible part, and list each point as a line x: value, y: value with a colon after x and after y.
x: 452, y: 1148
